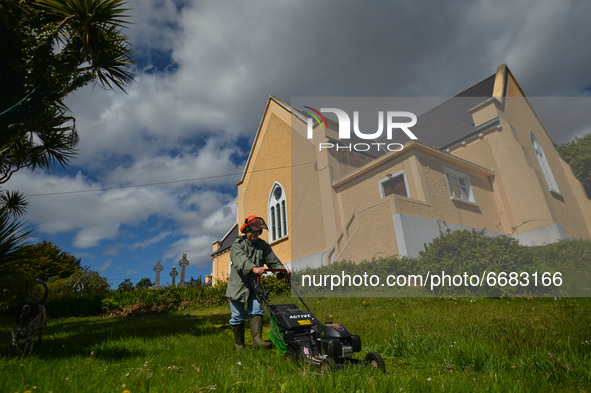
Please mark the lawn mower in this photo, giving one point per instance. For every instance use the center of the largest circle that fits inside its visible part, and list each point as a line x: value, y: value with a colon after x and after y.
x: 299, y: 335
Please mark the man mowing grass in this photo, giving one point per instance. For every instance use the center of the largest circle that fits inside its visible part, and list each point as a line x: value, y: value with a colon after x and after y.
x: 248, y: 256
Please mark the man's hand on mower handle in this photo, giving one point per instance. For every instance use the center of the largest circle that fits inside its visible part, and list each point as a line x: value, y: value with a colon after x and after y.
x: 258, y: 270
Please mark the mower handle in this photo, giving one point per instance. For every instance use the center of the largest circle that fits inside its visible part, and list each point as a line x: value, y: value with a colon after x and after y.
x: 257, y: 281
x: 282, y: 273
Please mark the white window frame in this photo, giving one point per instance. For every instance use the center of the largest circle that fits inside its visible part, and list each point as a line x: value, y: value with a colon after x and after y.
x: 450, y: 174
x: 390, y: 177
x: 543, y: 163
x: 277, y: 214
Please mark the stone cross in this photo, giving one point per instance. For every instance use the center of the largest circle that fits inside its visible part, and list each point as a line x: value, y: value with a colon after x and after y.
x: 184, y: 263
x: 158, y: 268
x: 173, y: 274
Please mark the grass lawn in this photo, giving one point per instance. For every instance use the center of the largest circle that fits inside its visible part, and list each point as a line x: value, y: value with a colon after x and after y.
x: 429, y: 344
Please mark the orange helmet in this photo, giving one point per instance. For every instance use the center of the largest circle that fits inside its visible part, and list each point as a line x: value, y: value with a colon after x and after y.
x: 253, y: 224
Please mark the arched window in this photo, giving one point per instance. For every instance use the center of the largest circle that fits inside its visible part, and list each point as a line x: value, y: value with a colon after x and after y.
x: 543, y: 163
x: 277, y: 213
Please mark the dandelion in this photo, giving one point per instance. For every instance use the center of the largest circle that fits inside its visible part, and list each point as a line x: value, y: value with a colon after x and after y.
x: 126, y: 391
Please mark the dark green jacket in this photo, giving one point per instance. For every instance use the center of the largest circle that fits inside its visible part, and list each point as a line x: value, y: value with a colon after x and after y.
x: 244, y: 257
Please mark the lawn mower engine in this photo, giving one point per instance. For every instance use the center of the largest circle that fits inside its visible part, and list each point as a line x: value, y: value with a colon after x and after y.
x: 300, y: 335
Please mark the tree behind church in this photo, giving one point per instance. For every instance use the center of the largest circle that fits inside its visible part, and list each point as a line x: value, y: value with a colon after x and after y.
x: 577, y: 154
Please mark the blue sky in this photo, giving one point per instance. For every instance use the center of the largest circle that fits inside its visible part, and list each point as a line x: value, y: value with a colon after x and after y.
x: 204, y: 72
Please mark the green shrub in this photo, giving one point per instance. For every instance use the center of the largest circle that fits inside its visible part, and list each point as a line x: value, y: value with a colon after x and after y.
x: 75, y: 306
x: 573, y: 259
x: 274, y: 286
x: 82, y: 282
x: 16, y: 285
x: 163, y: 299
x: 474, y: 253
x: 469, y: 253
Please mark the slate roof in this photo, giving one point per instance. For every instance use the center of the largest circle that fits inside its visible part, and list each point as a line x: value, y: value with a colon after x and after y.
x: 228, y: 240
x: 451, y: 122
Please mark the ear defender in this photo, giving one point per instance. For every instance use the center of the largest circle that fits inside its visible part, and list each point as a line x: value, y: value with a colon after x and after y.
x: 253, y: 224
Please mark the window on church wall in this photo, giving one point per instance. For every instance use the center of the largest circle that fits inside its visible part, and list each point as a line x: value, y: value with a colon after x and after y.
x: 273, y: 229
x: 459, y: 186
x: 543, y: 164
x: 394, y: 184
x: 277, y: 212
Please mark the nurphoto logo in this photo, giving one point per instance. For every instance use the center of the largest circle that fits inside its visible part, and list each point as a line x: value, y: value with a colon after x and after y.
x: 394, y: 120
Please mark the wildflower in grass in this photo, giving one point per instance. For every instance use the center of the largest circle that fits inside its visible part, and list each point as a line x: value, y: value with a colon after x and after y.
x: 429, y: 379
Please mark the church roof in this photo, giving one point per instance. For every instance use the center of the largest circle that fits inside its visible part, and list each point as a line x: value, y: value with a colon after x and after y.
x: 451, y: 122
x: 227, y: 240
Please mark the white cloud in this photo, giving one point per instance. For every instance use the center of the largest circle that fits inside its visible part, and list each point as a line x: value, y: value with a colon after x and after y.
x: 105, y: 265
x: 211, y: 164
x: 148, y: 242
x: 198, y: 250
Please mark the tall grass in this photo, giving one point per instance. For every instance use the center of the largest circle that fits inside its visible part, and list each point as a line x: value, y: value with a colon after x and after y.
x: 430, y: 344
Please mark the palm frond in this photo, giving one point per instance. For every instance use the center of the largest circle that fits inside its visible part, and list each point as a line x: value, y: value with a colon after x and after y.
x: 94, y: 28
x: 13, y: 235
x: 13, y: 203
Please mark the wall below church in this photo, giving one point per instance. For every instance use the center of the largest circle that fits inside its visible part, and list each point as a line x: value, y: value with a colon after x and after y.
x: 413, y: 233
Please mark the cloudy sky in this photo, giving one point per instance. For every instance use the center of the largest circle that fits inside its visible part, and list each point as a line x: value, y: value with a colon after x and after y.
x: 157, y: 167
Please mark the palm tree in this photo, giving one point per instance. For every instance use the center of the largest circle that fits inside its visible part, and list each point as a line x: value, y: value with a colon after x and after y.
x: 91, y: 31
x: 50, y: 48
